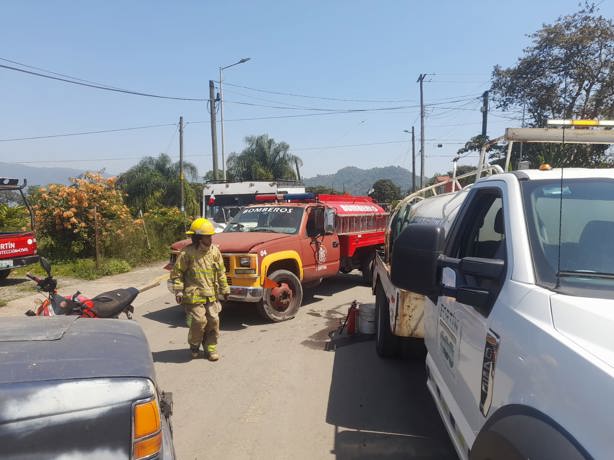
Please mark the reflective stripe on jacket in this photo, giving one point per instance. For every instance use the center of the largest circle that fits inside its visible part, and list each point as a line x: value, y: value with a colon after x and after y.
x: 199, y: 274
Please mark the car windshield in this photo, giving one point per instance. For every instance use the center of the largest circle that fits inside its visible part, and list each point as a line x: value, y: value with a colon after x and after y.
x: 277, y: 219
x: 578, y: 213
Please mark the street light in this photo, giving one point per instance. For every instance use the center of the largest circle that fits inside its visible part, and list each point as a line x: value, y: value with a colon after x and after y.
x: 222, y: 110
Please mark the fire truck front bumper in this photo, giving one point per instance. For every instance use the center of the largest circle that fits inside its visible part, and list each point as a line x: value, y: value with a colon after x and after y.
x: 237, y: 293
x: 245, y: 294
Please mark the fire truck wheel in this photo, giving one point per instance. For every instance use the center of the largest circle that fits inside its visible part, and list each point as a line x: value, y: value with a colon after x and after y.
x: 4, y: 274
x: 366, y: 267
x: 282, y: 302
x: 387, y: 344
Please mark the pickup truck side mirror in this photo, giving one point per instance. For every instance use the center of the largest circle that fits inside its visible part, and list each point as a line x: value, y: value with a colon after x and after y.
x: 415, y: 258
x: 478, y: 297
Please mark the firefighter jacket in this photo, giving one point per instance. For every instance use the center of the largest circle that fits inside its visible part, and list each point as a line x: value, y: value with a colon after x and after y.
x: 199, y: 274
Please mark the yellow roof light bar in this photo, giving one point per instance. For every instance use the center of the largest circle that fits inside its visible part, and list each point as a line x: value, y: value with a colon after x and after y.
x: 580, y: 122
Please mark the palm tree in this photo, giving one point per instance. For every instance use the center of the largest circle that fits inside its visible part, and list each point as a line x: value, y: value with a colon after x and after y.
x: 263, y: 159
x: 154, y: 182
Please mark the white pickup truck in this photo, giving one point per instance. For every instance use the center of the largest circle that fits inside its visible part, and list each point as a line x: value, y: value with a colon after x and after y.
x: 519, y: 310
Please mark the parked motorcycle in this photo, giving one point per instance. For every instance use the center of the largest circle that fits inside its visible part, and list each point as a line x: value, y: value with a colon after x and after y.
x: 109, y: 304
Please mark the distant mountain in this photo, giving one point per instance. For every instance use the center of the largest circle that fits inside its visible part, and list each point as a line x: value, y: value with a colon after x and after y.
x: 358, y: 181
x: 38, y: 175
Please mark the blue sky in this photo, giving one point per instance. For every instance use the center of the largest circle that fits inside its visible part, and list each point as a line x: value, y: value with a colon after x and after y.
x: 341, y: 54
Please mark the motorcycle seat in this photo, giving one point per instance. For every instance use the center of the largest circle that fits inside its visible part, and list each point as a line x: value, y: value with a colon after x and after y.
x: 111, y: 303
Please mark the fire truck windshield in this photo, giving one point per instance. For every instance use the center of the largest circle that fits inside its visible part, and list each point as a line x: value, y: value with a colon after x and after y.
x: 277, y: 219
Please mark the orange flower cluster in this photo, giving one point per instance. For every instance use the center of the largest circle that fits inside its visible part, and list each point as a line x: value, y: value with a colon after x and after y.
x: 69, y: 214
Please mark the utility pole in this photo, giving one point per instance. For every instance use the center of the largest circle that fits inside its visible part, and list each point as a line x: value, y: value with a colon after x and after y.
x: 413, y: 160
x: 522, y: 126
x: 181, y: 164
x: 213, y: 128
x: 484, y: 110
x: 298, y: 172
x: 421, y: 81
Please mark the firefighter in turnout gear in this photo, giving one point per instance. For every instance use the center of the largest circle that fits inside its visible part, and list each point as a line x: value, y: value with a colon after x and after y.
x: 198, y: 278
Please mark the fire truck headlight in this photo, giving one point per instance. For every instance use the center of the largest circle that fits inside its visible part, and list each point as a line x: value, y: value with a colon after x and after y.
x: 244, y: 261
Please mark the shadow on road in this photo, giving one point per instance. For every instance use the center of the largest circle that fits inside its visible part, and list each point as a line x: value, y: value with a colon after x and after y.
x: 240, y: 315
x: 13, y: 281
x: 173, y: 316
x: 235, y: 316
x: 381, y: 408
x: 171, y: 356
x: 331, y: 286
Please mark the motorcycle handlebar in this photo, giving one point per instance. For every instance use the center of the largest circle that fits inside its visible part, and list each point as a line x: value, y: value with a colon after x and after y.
x: 36, y: 279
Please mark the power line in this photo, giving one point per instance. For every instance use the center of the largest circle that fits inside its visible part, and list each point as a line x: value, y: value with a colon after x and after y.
x: 56, y: 73
x: 282, y: 93
x: 51, y: 136
x: 322, y: 109
x: 102, y: 87
x: 82, y: 160
x: 367, y: 109
x: 328, y: 147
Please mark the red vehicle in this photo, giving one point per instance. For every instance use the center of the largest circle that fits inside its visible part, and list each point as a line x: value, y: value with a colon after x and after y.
x: 271, y: 250
x: 17, y: 238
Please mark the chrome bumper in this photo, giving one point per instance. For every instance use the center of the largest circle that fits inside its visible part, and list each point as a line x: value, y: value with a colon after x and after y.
x: 245, y: 294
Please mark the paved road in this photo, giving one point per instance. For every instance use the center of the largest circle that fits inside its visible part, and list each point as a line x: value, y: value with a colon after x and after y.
x: 287, y: 390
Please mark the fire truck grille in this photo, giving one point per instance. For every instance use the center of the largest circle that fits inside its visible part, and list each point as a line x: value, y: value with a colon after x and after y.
x: 226, y: 260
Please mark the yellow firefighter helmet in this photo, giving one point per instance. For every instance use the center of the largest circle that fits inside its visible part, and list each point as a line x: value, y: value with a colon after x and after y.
x: 201, y: 226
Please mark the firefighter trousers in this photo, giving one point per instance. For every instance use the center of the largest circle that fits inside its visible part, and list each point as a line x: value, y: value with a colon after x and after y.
x: 204, y: 323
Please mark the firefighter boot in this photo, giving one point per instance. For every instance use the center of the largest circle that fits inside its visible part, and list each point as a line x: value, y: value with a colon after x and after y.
x: 212, y: 354
x: 194, y: 351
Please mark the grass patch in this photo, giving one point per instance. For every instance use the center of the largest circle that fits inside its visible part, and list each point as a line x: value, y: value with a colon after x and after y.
x: 79, y: 268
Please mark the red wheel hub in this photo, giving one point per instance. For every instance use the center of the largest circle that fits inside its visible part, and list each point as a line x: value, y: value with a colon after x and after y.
x: 281, y: 296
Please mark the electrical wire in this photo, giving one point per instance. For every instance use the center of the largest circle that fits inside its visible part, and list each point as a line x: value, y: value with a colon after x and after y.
x: 102, y: 87
x: 82, y: 160
x: 83, y: 133
x: 282, y: 93
x: 72, y: 77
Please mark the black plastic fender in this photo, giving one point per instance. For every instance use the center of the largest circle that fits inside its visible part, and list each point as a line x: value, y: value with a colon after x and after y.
x: 520, y: 432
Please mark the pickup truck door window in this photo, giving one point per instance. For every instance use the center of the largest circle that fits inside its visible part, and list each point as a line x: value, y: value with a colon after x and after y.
x: 464, y: 328
x: 320, y: 254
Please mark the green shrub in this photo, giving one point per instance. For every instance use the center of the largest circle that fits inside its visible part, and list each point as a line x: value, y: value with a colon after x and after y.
x: 148, y: 238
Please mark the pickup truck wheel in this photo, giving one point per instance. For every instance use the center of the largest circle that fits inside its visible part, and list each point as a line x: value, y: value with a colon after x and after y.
x: 4, y: 274
x: 387, y: 344
x: 282, y: 302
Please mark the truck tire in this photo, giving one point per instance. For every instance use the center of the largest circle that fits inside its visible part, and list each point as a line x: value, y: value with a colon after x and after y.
x: 387, y: 344
x: 4, y: 274
x: 366, y: 267
x: 281, y: 303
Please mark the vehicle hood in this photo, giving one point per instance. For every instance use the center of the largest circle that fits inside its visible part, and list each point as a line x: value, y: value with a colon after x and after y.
x: 68, y: 347
x: 244, y: 241
x: 588, y: 322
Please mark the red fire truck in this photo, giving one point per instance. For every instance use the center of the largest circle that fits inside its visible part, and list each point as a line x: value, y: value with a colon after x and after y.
x: 274, y: 248
x: 17, y: 238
